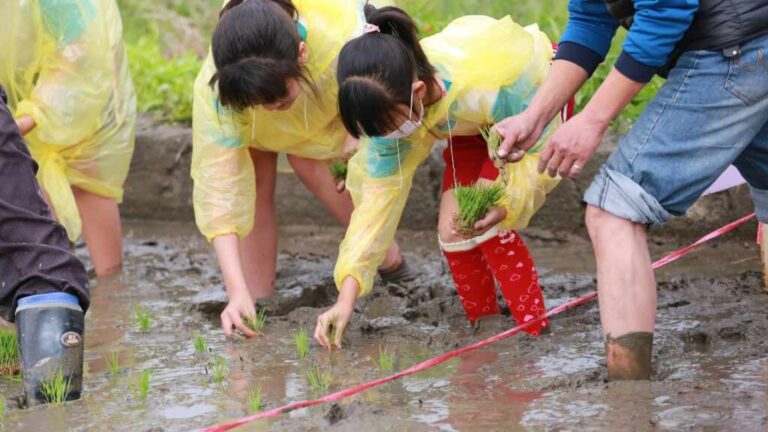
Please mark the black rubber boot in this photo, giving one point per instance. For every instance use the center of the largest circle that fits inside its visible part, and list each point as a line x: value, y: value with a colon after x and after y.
x: 50, y: 331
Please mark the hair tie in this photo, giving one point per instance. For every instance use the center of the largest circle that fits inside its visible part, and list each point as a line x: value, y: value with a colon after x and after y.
x: 371, y: 28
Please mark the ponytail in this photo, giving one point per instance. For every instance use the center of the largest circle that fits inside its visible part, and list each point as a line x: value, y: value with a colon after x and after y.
x: 395, y: 22
x: 255, y: 48
x: 376, y: 72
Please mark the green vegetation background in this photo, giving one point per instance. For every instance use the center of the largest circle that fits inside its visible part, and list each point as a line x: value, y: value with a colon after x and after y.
x: 167, y: 39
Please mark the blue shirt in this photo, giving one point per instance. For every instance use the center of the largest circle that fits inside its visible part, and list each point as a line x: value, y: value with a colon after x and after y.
x: 658, y: 26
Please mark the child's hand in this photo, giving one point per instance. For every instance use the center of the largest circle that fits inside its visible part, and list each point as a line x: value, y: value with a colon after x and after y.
x: 341, y: 186
x: 490, y: 220
x: 239, y: 305
x: 332, y: 323
x: 25, y: 124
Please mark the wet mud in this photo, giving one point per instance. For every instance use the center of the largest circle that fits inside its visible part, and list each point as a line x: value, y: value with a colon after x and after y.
x: 710, y: 348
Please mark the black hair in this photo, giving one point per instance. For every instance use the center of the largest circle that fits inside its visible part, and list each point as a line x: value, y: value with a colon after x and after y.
x: 256, y: 49
x: 376, y: 72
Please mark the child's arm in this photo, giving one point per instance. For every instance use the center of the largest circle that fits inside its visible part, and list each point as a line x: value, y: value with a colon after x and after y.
x: 240, y: 303
x: 379, y: 179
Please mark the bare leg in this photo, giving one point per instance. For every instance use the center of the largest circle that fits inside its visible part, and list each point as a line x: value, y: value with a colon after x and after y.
x: 318, y: 179
x: 259, y: 248
x: 102, y: 231
x: 764, y: 253
x: 627, y: 293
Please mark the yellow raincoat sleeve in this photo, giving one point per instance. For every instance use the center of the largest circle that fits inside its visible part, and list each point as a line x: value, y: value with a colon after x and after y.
x: 380, y: 178
x: 224, y: 180
x: 79, y: 92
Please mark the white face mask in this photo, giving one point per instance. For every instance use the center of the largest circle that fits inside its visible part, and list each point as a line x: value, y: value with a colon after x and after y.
x: 408, y: 127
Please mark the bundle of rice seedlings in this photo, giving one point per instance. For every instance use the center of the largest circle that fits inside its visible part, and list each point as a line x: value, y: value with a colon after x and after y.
x: 339, y: 170
x: 474, y: 203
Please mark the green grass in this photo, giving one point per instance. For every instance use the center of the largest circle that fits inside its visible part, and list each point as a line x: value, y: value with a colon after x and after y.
x: 219, y: 369
x: 201, y: 346
x: 9, y: 352
x: 474, y: 202
x: 113, y: 363
x: 254, y: 399
x: 339, y: 170
x: 2, y: 412
x: 141, y: 387
x: 142, y: 318
x: 301, y: 339
x: 56, y: 389
x: 258, y: 322
x: 318, y: 379
x: 386, y: 361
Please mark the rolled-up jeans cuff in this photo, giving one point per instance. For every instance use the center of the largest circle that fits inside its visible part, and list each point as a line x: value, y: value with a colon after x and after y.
x: 760, y: 198
x: 622, y: 197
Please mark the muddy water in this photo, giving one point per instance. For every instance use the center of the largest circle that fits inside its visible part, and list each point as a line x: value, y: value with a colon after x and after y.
x: 711, y: 357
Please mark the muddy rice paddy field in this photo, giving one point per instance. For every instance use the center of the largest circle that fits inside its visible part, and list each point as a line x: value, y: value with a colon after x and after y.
x: 711, y: 347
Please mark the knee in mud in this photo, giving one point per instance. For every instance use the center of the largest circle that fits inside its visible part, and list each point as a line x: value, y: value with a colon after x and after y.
x: 629, y: 356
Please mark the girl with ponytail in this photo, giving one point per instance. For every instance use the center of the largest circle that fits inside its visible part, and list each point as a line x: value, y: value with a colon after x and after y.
x: 400, y: 96
x: 267, y: 87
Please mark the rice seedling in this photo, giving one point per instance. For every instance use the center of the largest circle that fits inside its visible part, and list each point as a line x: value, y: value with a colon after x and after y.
x: 330, y: 331
x: 254, y: 399
x: 9, y: 353
x: 258, y: 322
x: 492, y: 138
x: 219, y: 369
x: 113, y: 363
x: 474, y: 203
x: 142, y: 318
x: 302, y: 343
x: 141, y: 388
x: 386, y: 360
x: 201, y: 345
x: 56, y: 389
x: 339, y: 170
x: 318, y: 379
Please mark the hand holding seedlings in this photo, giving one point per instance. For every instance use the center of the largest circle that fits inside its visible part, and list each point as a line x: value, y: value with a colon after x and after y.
x: 240, y: 305
x: 332, y: 323
x: 339, y: 171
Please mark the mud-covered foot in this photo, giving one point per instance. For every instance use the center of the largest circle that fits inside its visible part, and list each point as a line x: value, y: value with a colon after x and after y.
x: 494, y: 323
x: 402, y: 273
x: 629, y: 356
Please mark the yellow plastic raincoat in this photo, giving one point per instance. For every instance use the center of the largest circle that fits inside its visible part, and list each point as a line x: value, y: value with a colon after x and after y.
x: 491, y: 70
x: 222, y: 169
x: 63, y: 63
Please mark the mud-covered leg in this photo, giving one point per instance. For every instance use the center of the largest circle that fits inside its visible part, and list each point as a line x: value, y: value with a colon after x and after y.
x: 626, y: 293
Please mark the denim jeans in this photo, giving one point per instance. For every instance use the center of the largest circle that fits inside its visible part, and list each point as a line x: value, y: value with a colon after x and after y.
x: 712, y: 112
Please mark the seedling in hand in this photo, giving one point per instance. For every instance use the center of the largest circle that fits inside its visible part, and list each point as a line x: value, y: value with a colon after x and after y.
x: 256, y: 323
x: 201, y: 346
x: 332, y: 329
x: 254, y: 399
x: 113, y: 363
x: 219, y: 370
x: 386, y: 361
x: 474, y: 203
x: 9, y: 353
x: 339, y: 170
x: 142, y: 318
x: 56, y: 389
x: 492, y: 138
x: 318, y: 379
x: 141, y: 388
x: 302, y: 343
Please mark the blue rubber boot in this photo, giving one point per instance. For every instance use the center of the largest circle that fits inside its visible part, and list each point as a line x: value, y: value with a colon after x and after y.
x: 50, y: 332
